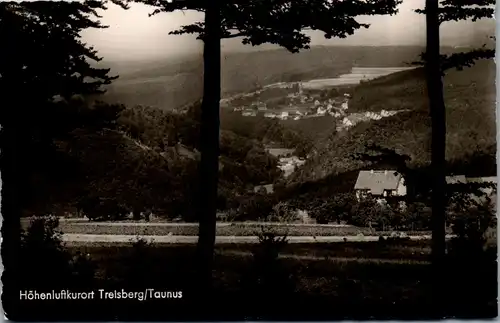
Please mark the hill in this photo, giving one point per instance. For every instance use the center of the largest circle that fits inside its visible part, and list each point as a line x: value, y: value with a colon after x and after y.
x: 177, y: 83
x: 471, y: 127
x: 143, y: 159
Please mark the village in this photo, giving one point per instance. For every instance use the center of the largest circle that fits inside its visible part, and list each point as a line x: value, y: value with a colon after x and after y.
x: 303, y: 105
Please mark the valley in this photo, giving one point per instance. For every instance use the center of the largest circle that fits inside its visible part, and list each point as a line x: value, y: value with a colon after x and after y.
x: 299, y: 134
x: 317, y: 98
x: 149, y: 182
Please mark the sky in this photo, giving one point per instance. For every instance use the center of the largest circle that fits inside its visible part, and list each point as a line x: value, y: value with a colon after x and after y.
x: 132, y: 35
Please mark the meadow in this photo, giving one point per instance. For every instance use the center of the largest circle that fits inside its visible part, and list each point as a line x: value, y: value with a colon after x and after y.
x: 328, y: 281
x: 223, y: 229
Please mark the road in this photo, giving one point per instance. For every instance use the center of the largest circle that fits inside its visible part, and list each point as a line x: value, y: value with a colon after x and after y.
x: 84, y: 222
x: 171, y: 239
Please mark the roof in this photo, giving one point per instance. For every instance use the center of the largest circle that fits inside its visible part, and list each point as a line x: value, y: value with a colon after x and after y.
x: 491, y: 179
x: 377, y: 181
x: 456, y: 179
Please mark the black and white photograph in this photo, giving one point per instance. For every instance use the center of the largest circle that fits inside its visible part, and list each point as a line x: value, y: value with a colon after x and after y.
x: 243, y: 160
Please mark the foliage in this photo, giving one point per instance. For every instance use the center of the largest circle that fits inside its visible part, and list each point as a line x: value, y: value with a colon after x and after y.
x: 453, y: 10
x: 275, y: 22
x: 255, y: 206
x: 366, y: 212
x: 61, y: 65
x: 282, y: 213
x: 267, y: 279
x: 45, y: 73
x: 408, y: 133
x: 267, y: 131
x: 471, y: 212
x: 335, y: 209
x: 155, y: 173
x: 44, y: 263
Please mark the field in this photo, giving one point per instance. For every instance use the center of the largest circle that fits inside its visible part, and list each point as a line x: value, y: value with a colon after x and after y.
x: 328, y: 281
x: 223, y: 229
x: 170, y: 85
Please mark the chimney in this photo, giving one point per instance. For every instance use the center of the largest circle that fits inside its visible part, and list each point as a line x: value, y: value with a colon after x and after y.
x: 371, y: 172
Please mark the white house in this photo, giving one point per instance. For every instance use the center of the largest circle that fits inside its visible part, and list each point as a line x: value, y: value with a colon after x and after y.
x: 380, y: 184
x: 284, y: 115
x: 321, y: 111
x: 346, y: 122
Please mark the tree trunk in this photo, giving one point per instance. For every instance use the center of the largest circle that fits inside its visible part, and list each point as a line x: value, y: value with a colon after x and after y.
x: 209, y: 147
x: 438, y: 141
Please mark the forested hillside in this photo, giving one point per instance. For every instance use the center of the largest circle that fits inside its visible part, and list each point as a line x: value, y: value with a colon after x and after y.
x: 471, y: 128
x: 268, y: 131
x: 146, y: 159
x: 175, y: 84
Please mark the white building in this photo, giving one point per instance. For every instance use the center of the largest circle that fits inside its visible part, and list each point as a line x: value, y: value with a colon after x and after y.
x: 321, y: 111
x: 346, y: 122
x: 380, y: 184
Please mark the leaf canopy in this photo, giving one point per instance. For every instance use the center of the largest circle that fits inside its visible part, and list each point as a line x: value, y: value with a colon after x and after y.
x: 280, y: 22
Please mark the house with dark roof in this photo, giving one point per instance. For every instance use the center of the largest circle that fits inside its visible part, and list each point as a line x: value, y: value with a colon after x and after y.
x: 379, y: 184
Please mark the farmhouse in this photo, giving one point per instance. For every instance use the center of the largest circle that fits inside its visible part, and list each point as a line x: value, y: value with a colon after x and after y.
x: 379, y: 183
x: 456, y: 179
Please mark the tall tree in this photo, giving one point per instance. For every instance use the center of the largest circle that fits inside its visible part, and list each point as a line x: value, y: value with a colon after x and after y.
x: 438, y: 12
x: 255, y: 22
x: 44, y: 58
x: 49, y: 58
x: 438, y: 119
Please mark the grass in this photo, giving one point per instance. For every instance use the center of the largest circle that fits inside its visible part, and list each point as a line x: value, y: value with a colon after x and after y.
x: 230, y: 230
x: 343, y: 281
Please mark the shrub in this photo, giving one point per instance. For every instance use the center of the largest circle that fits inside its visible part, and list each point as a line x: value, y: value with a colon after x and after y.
x: 268, y: 279
x: 282, y: 213
x: 335, y: 209
x: 45, y: 264
x: 255, y: 207
x: 470, y: 226
x: 137, y: 265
